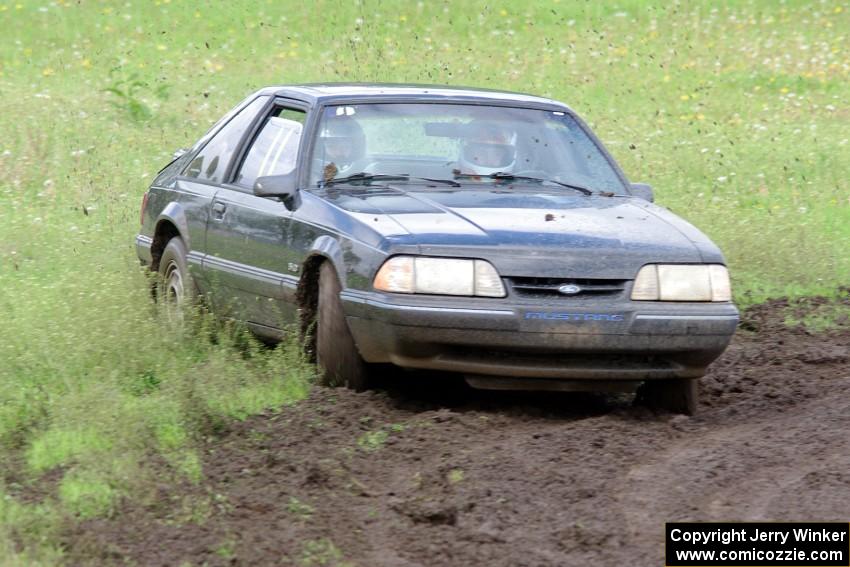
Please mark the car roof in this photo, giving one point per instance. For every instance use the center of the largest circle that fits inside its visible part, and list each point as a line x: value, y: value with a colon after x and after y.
x: 324, y: 93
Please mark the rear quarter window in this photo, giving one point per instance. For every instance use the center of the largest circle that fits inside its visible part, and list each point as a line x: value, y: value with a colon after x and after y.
x: 210, y: 164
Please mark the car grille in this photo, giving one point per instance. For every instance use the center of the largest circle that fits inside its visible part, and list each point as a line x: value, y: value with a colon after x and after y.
x: 547, y: 288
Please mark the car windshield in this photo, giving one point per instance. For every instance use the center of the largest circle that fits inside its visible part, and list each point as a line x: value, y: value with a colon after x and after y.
x: 469, y: 144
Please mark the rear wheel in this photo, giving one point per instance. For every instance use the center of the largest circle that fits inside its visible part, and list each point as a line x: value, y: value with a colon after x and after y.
x: 677, y: 395
x: 175, y: 289
x: 336, y: 354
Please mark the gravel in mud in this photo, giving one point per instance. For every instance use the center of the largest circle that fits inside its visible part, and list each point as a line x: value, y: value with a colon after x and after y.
x: 429, y: 473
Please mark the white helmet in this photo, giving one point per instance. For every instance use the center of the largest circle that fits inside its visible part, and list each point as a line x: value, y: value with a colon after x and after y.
x: 489, y: 148
x: 341, y: 141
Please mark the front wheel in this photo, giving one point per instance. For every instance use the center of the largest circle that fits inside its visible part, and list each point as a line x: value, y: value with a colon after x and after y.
x: 336, y: 354
x: 677, y: 395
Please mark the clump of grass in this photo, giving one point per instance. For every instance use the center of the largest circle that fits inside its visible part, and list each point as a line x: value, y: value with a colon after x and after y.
x: 58, y: 446
x: 87, y: 494
x: 820, y: 314
x: 20, y: 524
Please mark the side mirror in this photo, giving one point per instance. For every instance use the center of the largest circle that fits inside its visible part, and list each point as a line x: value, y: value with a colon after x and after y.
x: 281, y: 186
x: 643, y: 191
x: 179, y: 153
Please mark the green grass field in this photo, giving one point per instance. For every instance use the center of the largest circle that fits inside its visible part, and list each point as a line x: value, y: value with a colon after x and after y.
x: 737, y: 114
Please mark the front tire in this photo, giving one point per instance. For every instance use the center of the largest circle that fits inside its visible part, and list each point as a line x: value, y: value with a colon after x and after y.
x: 677, y: 395
x: 339, y: 360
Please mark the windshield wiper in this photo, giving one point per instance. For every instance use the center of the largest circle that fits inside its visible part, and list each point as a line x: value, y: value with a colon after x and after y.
x: 445, y: 181
x: 512, y: 177
x: 366, y: 177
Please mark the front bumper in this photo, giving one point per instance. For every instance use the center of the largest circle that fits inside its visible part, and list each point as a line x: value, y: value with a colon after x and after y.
x: 587, y: 340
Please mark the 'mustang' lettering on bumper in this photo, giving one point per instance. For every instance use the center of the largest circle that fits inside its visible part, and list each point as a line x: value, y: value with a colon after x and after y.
x: 557, y: 316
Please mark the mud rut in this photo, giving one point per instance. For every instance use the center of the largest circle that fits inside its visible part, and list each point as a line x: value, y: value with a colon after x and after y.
x: 422, y: 476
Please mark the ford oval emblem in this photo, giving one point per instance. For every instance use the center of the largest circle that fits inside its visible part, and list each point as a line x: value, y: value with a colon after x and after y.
x: 569, y: 289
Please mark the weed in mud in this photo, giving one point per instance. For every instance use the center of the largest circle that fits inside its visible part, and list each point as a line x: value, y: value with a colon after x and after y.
x: 322, y: 553
x: 191, y: 509
x: 226, y: 549
x: 373, y: 440
x: 417, y: 480
x: 258, y: 437
x: 455, y: 476
x: 298, y: 508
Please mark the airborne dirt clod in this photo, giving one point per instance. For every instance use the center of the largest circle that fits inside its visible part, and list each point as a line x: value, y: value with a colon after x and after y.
x: 429, y: 473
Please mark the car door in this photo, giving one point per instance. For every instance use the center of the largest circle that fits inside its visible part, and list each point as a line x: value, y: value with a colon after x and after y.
x: 249, y: 261
x: 196, y: 186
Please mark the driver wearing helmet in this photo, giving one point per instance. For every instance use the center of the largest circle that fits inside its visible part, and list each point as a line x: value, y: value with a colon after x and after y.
x: 340, y: 144
x: 489, y: 148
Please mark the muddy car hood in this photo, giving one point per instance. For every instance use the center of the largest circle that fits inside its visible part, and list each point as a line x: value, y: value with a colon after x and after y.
x: 529, y: 232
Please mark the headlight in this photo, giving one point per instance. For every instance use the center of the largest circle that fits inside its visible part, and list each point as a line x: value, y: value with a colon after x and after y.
x: 440, y: 276
x: 680, y: 282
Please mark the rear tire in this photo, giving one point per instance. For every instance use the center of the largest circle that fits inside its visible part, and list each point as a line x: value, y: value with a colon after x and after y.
x: 175, y: 288
x: 677, y: 395
x: 339, y: 360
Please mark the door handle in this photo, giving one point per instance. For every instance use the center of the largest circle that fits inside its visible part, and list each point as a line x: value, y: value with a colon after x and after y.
x: 219, y: 210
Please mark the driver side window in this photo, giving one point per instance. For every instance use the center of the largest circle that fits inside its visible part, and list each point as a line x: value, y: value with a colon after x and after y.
x: 274, y: 151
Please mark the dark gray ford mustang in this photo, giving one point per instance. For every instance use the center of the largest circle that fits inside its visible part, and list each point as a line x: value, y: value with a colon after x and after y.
x: 479, y: 232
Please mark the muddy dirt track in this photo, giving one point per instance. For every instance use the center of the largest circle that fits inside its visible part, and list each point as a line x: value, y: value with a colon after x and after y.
x: 423, y: 476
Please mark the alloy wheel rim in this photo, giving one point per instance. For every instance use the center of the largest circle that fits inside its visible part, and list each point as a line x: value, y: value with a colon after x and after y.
x: 173, y: 284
